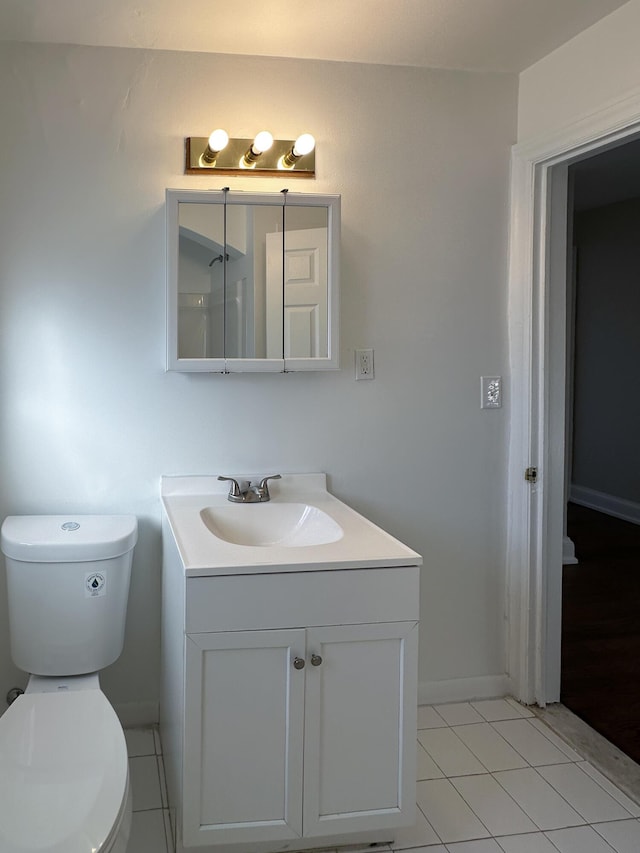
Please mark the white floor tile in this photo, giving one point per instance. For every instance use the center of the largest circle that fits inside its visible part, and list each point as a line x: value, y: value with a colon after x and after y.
x: 491, y: 803
x: 449, y: 753
x: 610, y: 788
x: 522, y: 709
x: 419, y: 835
x: 622, y: 835
x: 459, y: 714
x: 147, y: 833
x: 535, y: 842
x: 489, y: 747
x: 427, y: 768
x: 473, y: 812
x: 493, y: 710
x: 583, y: 793
x: 145, y: 783
x: 139, y: 742
x: 578, y: 839
x: 448, y: 813
x: 538, y: 799
x: 486, y: 845
x: 544, y: 729
x: 429, y: 718
x: 532, y: 745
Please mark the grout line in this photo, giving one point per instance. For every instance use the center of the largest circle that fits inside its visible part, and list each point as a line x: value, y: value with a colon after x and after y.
x: 156, y: 740
x: 436, y: 833
x: 444, y: 775
x: 168, y: 831
x: 150, y: 809
x: 163, y: 782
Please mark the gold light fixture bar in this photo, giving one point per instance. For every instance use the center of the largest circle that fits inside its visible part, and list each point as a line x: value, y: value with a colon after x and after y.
x: 238, y: 158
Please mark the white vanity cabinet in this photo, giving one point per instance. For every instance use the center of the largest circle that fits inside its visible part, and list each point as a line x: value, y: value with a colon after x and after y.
x: 274, y: 752
x: 289, y: 704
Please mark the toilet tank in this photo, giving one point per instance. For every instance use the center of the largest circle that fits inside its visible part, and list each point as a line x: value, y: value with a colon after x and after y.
x: 68, y: 585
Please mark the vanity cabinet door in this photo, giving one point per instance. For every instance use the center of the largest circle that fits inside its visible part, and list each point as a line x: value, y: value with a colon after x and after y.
x: 243, y: 748
x: 361, y: 707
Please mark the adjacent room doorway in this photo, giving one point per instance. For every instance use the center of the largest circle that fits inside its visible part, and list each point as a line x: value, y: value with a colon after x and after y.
x: 538, y: 346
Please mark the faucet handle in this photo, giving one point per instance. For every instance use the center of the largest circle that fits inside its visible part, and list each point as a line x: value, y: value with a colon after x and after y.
x: 263, y: 488
x: 263, y: 482
x: 234, y: 489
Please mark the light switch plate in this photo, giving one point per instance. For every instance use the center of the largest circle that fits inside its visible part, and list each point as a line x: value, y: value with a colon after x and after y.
x: 491, y: 389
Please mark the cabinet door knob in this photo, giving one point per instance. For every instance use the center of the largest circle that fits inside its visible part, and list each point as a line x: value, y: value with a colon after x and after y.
x: 298, y: 663
x: 316, y: 660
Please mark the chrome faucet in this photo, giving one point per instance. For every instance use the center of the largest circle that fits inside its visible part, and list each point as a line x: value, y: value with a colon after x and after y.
x: 242, y: 492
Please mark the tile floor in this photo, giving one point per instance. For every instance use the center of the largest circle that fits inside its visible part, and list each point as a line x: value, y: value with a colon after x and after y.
x: 150, y: 827
x: 492, y: 778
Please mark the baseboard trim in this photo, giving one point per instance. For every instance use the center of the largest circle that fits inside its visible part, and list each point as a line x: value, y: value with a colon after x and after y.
x: 135, y: 714
x: 609, y: 504
x: 464, y: 689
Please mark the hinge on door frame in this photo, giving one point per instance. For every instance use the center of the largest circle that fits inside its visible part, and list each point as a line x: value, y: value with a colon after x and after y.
x: 531, y: 475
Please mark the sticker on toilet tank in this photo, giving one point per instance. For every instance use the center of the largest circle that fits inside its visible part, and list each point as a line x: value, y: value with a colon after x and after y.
x: 95, y: 583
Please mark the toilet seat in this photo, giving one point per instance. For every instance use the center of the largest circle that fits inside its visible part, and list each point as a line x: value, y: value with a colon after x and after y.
x: 63, y: 773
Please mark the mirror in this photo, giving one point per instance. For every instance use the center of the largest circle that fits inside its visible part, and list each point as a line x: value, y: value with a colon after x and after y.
x: 252, y: 281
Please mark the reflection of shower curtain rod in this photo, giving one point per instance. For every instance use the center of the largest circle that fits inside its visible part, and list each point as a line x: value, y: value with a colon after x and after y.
x: 219, y: 258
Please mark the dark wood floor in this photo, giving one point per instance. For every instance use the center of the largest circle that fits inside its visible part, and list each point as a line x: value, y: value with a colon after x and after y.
x: 601, y: 627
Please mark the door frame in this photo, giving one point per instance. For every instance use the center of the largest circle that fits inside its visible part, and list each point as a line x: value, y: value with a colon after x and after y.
x: 537, y: 354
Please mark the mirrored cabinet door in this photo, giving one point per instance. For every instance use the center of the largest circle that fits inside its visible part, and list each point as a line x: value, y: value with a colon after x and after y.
x: 200, y: 281
x: 252, y: 281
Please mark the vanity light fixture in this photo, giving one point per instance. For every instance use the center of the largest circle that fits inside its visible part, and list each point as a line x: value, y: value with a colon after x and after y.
x: 262, y: 155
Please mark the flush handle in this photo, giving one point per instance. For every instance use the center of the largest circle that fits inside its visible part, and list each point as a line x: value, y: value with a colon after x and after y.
x: 298, y: 663
x: 316, y: 660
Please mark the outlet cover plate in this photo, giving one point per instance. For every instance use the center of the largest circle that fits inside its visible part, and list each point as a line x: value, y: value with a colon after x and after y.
x: 364, y: 364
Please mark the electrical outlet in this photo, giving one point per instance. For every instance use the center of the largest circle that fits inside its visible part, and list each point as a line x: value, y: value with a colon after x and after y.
x: 364, y: 364
x: 491, y: 392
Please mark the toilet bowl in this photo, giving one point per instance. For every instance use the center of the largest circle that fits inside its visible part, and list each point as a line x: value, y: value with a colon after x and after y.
x: 64, y: 780
x: 64, y: 772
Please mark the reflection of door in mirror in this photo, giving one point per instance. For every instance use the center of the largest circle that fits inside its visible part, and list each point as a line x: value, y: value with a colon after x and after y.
x: 297, y: 295
x: 245, y: 277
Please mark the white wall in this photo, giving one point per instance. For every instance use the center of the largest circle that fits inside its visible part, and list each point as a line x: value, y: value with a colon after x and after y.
x: 597, y: 68
x: 90, y: 420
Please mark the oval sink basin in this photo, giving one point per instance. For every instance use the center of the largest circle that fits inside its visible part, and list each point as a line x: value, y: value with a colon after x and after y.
x: 285, y: 525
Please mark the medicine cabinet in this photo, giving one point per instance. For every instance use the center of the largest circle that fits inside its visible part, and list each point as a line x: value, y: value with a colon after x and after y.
x: 253, y: 281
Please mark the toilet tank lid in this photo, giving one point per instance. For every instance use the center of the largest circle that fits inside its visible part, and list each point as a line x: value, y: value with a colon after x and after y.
x: 67, y: 538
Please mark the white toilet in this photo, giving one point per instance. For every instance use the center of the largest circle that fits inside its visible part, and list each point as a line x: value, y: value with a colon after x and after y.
x: 64, y: 777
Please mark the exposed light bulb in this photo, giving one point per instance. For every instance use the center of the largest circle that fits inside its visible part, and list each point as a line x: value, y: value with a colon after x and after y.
x: 217, y: 141
x: 262, y: 142
x: 304, y: 144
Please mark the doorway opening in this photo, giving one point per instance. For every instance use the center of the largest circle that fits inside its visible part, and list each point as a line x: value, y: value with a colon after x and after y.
x: 538, y: 347
x: 600, y: 634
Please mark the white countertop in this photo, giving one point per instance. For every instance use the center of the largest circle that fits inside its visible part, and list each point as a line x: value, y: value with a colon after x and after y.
x: 363, y: 544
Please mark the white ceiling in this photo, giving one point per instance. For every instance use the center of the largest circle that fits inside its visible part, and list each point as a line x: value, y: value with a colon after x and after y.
x: 482, y: 35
